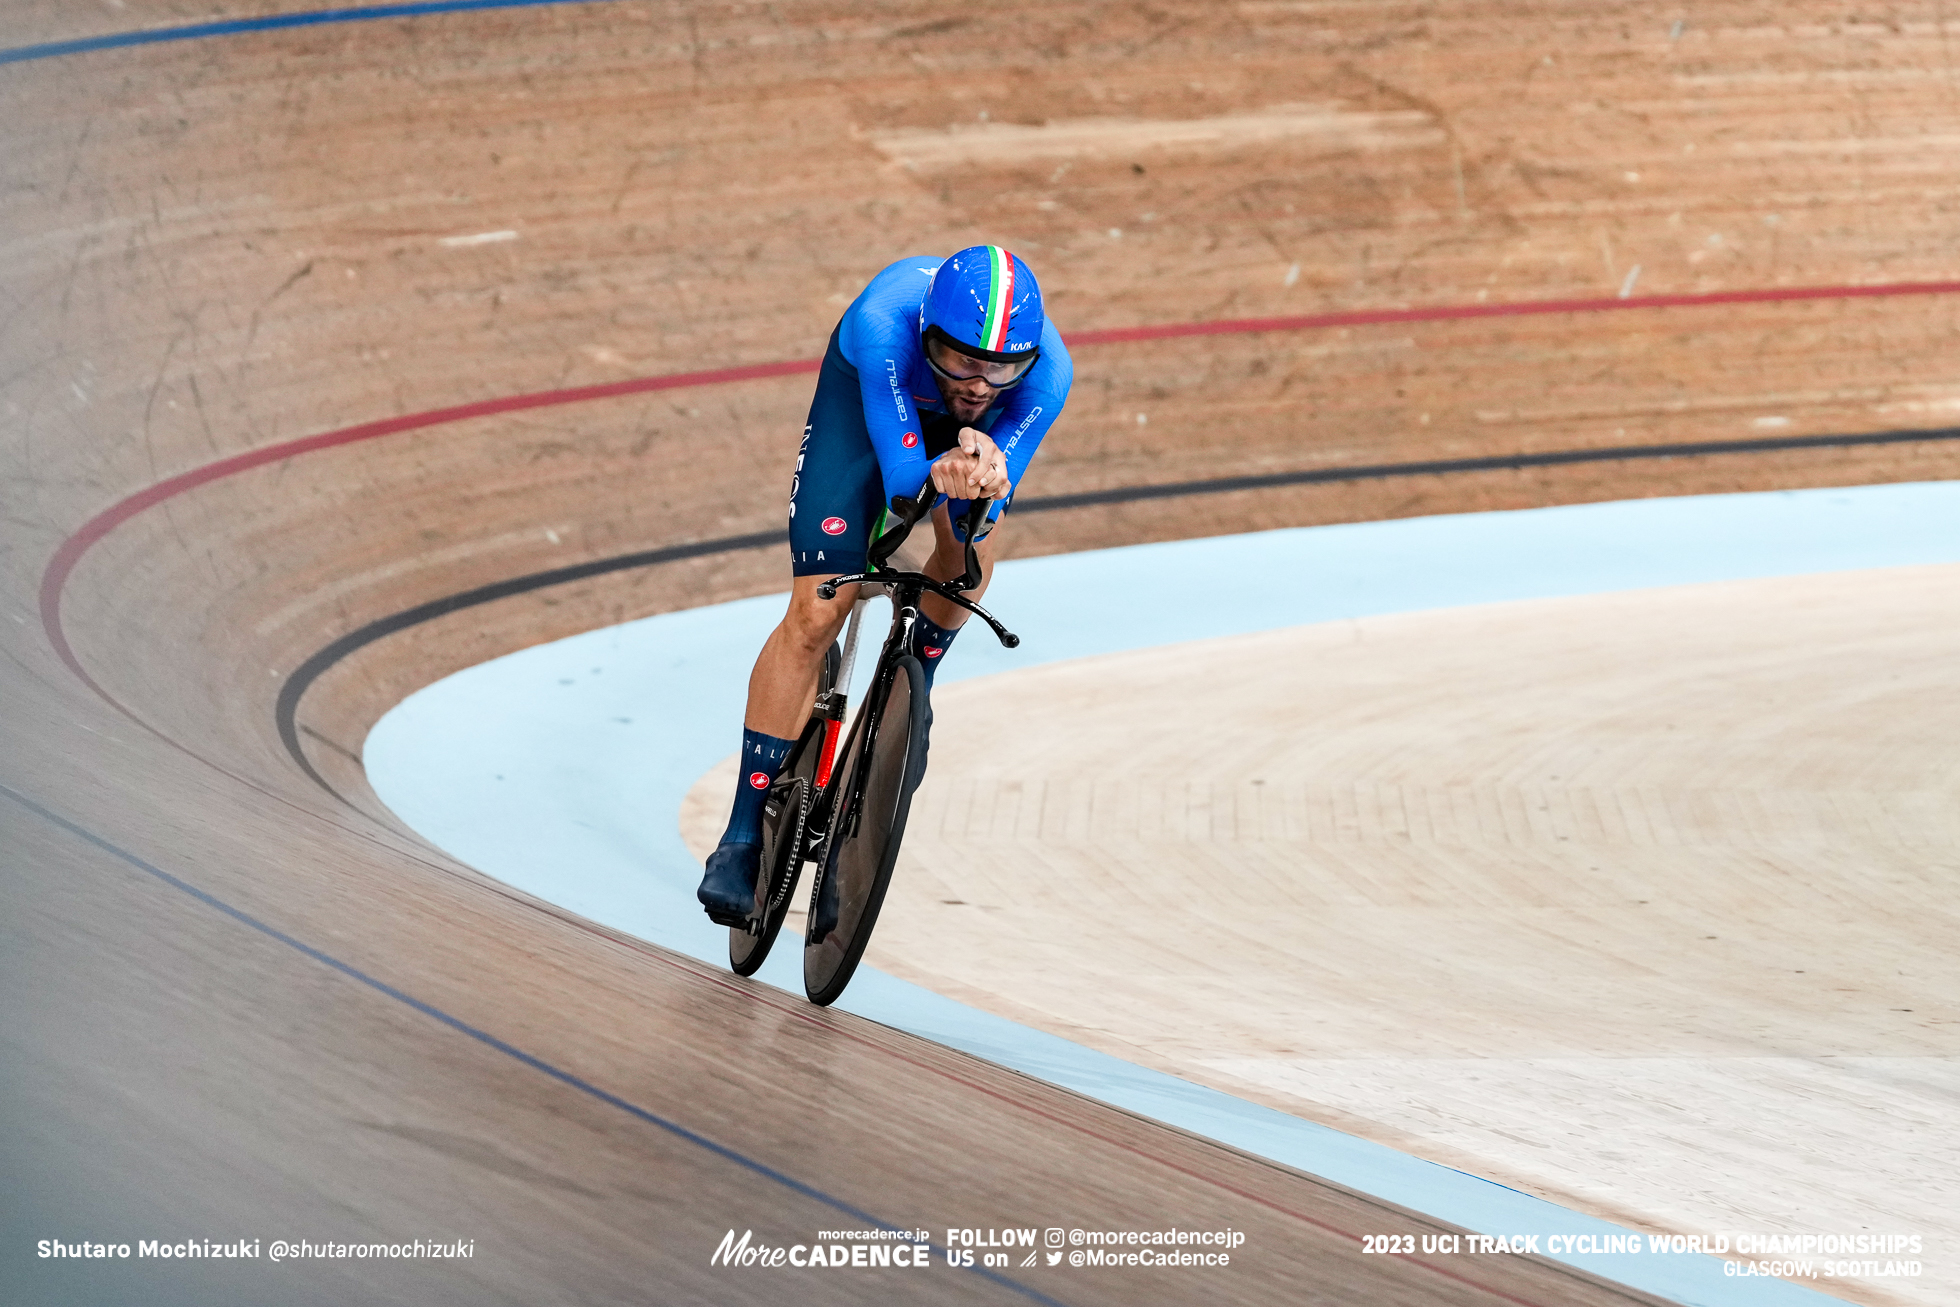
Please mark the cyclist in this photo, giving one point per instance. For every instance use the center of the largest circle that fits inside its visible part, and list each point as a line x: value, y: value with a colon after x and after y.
x: 947, y: 369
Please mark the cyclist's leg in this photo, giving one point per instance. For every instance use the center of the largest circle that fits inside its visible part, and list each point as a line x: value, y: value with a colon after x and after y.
x: 835, y: 500
x: 949, y: 560
x: 939, y: 621
x: 942, y: 621
x: 784, y: 683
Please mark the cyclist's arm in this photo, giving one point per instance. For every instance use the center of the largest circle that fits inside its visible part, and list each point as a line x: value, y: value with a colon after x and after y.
x: 892, y: 419
x: 1030, y: 409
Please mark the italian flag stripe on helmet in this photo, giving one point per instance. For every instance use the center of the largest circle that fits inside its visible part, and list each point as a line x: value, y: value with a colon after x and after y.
x: 1000, y: 299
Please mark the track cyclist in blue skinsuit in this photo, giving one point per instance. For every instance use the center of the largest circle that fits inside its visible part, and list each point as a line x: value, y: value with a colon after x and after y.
x: 947, y: 369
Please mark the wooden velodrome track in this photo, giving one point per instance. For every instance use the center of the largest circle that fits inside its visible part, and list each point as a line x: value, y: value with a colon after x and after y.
x: 216, y: 248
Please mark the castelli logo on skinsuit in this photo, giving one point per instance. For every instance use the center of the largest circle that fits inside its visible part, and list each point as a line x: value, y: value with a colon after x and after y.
x: 759, y: 779
x: 910, y: 440
x: 934, y: 653
x: 834, y: 526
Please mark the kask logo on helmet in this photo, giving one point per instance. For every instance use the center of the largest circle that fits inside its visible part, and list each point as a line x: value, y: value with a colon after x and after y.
x: 834, y: 526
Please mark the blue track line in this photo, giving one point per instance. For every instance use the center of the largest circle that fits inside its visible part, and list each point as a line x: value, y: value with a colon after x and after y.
x: 674, y: 1128
x: 234, y: 26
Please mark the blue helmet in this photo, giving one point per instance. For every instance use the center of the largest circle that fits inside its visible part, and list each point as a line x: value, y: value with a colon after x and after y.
x: 984, y: 302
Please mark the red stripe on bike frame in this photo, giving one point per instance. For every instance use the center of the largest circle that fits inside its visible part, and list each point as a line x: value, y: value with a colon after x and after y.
x: 65, y: 558
x: 829, y: 756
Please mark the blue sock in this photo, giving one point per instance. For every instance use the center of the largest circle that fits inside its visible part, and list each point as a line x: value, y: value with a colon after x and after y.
x: 762, y: 757
x: 931, y: 640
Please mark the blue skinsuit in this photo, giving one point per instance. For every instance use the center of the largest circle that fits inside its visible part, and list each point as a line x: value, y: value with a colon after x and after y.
x: 865, y: 443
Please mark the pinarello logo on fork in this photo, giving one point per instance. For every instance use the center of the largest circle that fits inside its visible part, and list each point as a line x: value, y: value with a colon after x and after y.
x: 834, y: 526
x: 759, y: 779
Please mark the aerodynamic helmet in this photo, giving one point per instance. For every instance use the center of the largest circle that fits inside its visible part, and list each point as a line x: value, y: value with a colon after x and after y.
x: 984, y: 303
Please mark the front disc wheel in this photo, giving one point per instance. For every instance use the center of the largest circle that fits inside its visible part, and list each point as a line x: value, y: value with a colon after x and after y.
x: 881, y: 771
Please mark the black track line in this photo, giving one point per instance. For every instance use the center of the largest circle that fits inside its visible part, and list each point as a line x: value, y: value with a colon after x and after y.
x: 302, y: 678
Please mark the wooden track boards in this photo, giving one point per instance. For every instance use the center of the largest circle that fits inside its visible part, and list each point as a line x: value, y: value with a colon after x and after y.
x: 174, y: 1073
x: 1527, y: 888
x: 216, y: 246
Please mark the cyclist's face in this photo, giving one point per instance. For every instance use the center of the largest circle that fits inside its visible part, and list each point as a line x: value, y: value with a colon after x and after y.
x: 952, y: 365
x: 968, y: 384
x: 966, y: 398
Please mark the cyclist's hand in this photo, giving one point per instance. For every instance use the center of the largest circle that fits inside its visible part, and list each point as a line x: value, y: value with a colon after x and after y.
x: 976, y: 470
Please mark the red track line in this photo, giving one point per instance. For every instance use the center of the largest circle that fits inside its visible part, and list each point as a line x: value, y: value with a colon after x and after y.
x: 1515, y: 309
x: 70, y: 553
x: 65, y: 559
x: 121, y: 511
x: 55, y: 579
x: 63, y: 563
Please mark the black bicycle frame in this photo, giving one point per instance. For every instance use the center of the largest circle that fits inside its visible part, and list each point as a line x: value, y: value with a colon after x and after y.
x: 907, y: 589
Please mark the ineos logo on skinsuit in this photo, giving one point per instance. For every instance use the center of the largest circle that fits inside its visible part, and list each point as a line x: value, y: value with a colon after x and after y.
x: 796, y: 481
x: 760, y: 780
x: 834, y: 526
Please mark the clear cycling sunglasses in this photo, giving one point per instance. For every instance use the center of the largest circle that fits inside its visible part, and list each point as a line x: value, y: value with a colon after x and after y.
x: 998, y: 375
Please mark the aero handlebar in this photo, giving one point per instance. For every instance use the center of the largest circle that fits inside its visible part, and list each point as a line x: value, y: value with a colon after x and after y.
x: 909, y: 512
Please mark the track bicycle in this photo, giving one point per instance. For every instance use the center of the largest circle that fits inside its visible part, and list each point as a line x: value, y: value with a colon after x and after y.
x: 843, y: 805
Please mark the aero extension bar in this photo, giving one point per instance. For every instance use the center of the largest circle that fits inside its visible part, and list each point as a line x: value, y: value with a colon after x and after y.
x: 909, y: 512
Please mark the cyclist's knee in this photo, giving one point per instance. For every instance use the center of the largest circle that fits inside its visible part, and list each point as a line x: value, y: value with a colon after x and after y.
x: 812, y: 623
x: 949, y: 556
